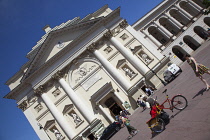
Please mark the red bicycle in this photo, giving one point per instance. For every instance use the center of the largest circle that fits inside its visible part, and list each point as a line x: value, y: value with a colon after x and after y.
x: 178, y: 102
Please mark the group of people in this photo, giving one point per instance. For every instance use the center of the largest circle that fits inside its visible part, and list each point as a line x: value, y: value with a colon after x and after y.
x: 123, y: 119
x: 149, y: 90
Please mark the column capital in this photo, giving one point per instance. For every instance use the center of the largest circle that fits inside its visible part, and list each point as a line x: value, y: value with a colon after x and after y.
x: 40, y: 90
x: 123, y: 24
x: 108, y: 34
x: 58, y: 75
x: 92, y: 47
x: 24, y: 105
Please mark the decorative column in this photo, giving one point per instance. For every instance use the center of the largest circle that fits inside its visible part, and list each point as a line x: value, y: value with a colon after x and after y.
x: 138, y: 64
x: 55, y: 112
x: 74, y: 98
x: 110, y: 68
x: 106, y: 113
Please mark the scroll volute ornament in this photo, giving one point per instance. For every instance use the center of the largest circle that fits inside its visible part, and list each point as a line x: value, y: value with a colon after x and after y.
x: 108, y: 34
x: 92, y: 47
x: 58, y: 75
x: 24, y: 105
x: 41, y: 89
x: 123, y: 24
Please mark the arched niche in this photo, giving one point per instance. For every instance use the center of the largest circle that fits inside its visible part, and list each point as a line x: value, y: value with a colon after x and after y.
x: 191, y: 42
x: 179, y: 52
x: 169, y: 26
x: 188, y: 8
x: 201, y: 32
x: 158, y: 35
x: 179, y: 16
x: 207, y: 21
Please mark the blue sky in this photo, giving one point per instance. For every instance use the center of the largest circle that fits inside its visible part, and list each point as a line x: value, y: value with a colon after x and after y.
x: 21, y: 23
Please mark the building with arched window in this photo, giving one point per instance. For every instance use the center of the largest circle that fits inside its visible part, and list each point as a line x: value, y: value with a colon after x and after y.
x: 82, y: 73
x: 175, y: 27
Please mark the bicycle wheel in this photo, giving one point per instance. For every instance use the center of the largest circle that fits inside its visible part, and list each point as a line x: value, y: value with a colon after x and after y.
x: 159, y: 126
x: 179, y: 102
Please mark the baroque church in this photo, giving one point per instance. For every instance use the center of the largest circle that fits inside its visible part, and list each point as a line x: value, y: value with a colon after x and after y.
x: 82, y: 73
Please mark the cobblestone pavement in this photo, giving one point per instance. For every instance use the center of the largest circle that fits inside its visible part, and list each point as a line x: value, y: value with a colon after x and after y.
x: 193, y: 123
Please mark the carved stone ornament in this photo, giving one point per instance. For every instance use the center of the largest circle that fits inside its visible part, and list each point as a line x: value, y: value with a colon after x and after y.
x: 32, y: 100
x: 108, y: 34
x: 92, y: 47
x: 117, y: 30
x: 24, y: 105
x: 123, y: 24
x: 41, y: 89
x: 58, y: 75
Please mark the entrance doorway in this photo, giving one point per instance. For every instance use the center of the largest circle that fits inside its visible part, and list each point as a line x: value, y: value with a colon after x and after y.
x: 113, y: 106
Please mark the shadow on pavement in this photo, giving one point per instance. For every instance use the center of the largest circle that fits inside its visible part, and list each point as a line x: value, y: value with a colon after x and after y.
x: 199, y: 93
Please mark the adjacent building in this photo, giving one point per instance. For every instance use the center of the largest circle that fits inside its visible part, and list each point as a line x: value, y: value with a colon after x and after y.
x: 82, y: 73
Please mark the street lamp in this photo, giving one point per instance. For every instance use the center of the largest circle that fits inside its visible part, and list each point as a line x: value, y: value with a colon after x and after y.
x: 41, y: 127
x: 163, y: 82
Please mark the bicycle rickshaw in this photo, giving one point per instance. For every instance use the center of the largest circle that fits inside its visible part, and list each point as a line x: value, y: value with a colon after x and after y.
x: 158, y: 123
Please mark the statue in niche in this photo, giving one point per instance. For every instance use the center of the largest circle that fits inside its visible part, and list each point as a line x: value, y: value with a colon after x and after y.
x: 129, y: 72
x: 57, y: 134
x: 146, y: 58
x: 76, y: 118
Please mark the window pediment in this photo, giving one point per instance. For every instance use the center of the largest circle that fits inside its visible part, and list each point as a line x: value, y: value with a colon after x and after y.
x: 67, y: 108
x: 120, y: 63
x: 49, y: 124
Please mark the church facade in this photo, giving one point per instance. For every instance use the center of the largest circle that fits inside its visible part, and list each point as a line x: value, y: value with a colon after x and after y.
x: 82, y: 73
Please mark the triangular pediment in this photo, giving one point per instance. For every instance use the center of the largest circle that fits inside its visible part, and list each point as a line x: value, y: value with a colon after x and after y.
x: 67, y: 108
x: 58, y: 40
x: 49, y: 124
x: 120, y: 62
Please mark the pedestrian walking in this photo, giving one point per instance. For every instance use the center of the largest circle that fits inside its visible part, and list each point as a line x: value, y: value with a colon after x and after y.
x: 199, y: 69
x: 132, y: 130
x: 141, y: 103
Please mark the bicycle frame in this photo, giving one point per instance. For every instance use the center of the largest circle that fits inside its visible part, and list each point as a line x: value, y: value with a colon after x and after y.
x: 161, y: 107
x: 171, y: 107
